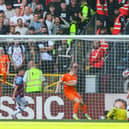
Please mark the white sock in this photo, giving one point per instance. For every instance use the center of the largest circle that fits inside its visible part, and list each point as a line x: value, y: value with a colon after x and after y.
x: 19, y: 110
x: 16, y: 112
x: 127, y: 111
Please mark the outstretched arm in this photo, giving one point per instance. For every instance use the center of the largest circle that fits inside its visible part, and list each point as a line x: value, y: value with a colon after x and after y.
x: 58, y: 86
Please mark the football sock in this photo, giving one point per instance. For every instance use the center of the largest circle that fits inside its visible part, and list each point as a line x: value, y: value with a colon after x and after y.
x: 75, y: 108
x: 19, y: 110
x: 84, y: 108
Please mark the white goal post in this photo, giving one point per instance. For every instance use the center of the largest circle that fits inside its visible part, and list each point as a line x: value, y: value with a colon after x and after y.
x: 26, y: 38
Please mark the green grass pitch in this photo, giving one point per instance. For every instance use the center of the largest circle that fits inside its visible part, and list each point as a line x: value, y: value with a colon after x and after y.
x: 20, y: 124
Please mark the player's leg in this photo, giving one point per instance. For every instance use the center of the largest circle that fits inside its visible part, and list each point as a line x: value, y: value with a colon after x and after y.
x: 20, y: 106
x: 76, y: 108
x: 82, y: 105
x: 18, y: 110
x: 23, y: 103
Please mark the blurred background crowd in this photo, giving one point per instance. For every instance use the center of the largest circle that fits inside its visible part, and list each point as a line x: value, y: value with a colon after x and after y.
x: 66, y: 17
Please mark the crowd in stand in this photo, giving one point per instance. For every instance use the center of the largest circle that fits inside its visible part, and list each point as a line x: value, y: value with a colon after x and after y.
x: 57, y: 17
x: 40, y: 17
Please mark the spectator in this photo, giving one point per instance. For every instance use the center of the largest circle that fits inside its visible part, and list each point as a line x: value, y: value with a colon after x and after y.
x: 20, y: 27
x: 61, y: 47
x: 60, y: 26
x: 2, y: 5
x: 64, y: 12
x: 27, y: 15
x: 127, y: 27
x: 32, y: 5
x: 11, y: 30
x: 46, y: 56
x: 39, y: 9
x: 73, y: 27
x: 111, y: 8
x: 73, y: 9
x: 49, y: 22
x: 103, y: 31
x: 17, y: 55
x: 32, y: 53
x: 124, y: 7
x: 56, y: 3
x: 85, y: 14
x: 119, y: 24
x: 22, y: 7
x: 13, y: 19
x: 36, y: 23
x: 31, y: 31
x: 99, y: 25
x: 10, y: 12
x: 3, y: 28
x: 52, y: 10
x: 102, y: 10
x: 33, y: 79
x: 3, y: 18
x: 44, y: 30
x: 4, y: 61
x: 96, y: 58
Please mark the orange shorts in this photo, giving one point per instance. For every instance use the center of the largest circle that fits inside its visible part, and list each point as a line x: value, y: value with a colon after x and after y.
x: 71, y: 93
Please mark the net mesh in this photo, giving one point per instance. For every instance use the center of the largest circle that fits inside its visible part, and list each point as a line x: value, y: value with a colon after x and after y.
x: 101, y: 59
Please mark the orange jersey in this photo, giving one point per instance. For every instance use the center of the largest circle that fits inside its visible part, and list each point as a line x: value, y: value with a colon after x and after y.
x: 70, y: 91
x: 3, y: 63
x: 67, y: 77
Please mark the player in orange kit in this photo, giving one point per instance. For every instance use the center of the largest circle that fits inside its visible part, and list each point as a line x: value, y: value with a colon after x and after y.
x: 69, y: 80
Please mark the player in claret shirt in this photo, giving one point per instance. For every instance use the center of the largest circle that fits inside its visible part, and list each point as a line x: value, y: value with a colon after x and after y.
x: 18, y: 93
x: 69, y: 80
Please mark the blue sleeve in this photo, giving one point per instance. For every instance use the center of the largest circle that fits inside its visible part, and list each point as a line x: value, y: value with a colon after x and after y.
x: 19, y: 81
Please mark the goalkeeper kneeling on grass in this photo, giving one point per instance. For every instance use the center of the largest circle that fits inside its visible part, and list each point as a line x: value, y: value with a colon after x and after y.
x: 118, y: 112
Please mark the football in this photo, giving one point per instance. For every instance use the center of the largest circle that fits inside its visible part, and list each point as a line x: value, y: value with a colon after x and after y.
x: 125, y: 73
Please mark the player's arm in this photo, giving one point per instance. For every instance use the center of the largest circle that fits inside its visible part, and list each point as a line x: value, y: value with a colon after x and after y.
x: 14, y: 92
x: 58, y: 86
x: 70, y: 83
x: 8, y: 66
x: 111, y: 113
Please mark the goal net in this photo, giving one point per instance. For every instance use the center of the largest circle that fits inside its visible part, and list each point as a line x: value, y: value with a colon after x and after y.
x: 101, y: 59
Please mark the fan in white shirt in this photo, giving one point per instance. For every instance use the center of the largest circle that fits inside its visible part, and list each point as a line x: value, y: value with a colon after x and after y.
x: 13, y: 20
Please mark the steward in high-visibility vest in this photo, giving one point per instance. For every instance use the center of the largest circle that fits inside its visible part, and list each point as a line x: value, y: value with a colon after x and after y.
x: 102, y: 9
x: 124, y: 7
x: 33, y: 79
x: 119, y: 25
x: 86, y: 12
x: 72, y: 30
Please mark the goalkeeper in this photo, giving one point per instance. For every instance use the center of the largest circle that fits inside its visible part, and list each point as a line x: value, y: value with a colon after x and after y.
x: 69, y: 80
x: 118, y: 112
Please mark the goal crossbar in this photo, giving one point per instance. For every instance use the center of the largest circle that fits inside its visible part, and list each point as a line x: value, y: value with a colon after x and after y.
x: 36, y: 38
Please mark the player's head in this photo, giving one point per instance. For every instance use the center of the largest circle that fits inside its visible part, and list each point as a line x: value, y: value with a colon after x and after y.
x: 21, y: 70
x: 74, y: 67
x: 120, y: 103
